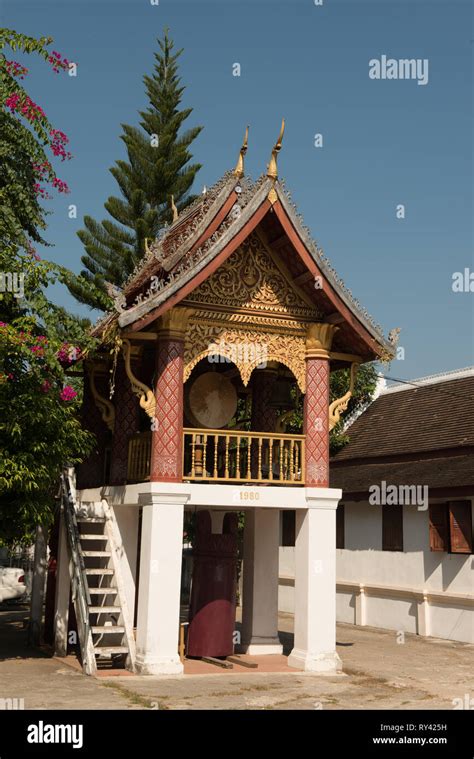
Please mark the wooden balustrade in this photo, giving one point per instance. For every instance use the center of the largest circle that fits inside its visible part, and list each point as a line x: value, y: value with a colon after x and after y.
x: 227, y: 456
x: 241, y: 456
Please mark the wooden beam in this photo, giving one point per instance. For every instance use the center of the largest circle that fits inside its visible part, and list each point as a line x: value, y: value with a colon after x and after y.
x: 140, y: 335
x: 334, y: 318
x: 352, y: 358
x: 302, y: 278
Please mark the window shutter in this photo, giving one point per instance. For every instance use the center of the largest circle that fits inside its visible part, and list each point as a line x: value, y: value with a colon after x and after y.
x: 439, y: 527
x: 288, y: 527
x: 392, y: 528
x: 460, y: 524
x: 340, y: 521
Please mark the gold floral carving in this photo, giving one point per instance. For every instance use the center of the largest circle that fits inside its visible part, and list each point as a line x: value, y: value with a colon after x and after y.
x: 319, y: 339
x: 246, y: 348
x: 249, y: 281
x: 145, y: 394
x: 337, y: 407
x: 106, y: 408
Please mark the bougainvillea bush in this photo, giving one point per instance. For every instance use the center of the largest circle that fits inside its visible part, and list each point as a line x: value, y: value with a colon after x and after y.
x: 40, y: 343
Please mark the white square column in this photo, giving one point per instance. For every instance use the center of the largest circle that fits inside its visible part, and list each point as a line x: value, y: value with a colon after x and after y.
x: 160, y: 584
x: 315, y: 584
x: 62, y: 593
x: 260, y: 585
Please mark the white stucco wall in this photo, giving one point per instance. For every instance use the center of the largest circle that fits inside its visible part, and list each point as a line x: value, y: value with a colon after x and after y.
x: 363, y: 560
x: 416, y: 568
x: 127, y: 521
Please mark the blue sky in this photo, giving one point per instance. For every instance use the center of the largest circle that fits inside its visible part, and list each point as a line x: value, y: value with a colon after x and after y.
x: 385, y: 142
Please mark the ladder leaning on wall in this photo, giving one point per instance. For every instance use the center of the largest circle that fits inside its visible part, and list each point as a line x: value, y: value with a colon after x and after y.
x: 103, y: 624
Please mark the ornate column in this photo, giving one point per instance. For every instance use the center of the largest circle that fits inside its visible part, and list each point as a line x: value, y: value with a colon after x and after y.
x: 316, y: 403
x: 167, y: 437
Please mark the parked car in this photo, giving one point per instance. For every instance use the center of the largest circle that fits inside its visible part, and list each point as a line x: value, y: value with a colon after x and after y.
x: 12, y: 583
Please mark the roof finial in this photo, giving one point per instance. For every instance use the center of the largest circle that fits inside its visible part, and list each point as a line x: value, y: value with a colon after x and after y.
x: 272, y: 169
x: 174, y: 209
x: 239, y: 169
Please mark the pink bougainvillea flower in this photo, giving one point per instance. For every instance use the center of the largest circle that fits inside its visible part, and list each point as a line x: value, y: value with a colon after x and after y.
x: 67, y: 393
x: 46, y: 386
x: 67, y: 354
x: 60, y: 185
x: 16, y: 69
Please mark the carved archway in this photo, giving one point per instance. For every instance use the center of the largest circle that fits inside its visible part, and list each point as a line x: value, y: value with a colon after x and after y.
x: 247, y: 348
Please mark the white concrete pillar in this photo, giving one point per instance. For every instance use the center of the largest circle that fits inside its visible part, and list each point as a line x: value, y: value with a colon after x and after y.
x: 35, y: 630
x: 63, y: 587
x: 260, y: 585
x: 160, y: 584
x: 315, y: 584
x: 423, y: 611
x: 361, y: 606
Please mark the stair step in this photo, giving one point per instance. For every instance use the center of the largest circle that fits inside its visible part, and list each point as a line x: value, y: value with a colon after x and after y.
x: 100, y: 591
x: 92, y: 520
x: 94, y: 571
x: 104, y: 609
x: 107, y: 629
x: 97, y: 553
x: 104, y: 650
x: 91, y: 536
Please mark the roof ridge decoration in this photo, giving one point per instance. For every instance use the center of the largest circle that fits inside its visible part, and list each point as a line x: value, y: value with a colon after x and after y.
x: 154, y: 250
x: 239, y: 169
x: 272, y: 168
x: 174, y: 209
x: 250, y: 198
x: 431, y: 379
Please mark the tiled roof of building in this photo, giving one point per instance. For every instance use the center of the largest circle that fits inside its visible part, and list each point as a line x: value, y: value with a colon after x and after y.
x: 402, y: 435
x: 440, y: 472
x: 427, y: 416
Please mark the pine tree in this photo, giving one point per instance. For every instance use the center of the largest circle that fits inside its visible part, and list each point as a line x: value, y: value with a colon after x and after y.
x: 157, y: 167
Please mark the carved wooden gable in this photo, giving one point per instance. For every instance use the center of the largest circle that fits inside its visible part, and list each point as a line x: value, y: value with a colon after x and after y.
x: 249, y: 312
x: 250, y: 281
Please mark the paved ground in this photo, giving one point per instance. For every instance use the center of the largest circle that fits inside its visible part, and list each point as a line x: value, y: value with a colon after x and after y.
x: 379, y: 673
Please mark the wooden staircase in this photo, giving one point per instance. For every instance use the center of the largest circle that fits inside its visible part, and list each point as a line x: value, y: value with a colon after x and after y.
x: 104, y: 627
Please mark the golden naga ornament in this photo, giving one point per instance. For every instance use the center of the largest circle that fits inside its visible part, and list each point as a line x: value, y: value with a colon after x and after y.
x: 145, y: 394
x: 272, y: 168
x: 106, y: 408
x: 174, y: 209
x: 337, y: 407
x: 239, y: 169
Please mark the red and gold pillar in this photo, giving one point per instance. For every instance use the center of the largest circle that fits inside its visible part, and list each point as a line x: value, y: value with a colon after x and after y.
x: 167, y: 436
x: 316, y: 404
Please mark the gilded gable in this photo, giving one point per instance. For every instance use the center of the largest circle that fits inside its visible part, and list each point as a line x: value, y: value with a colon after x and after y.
x: 250, y: 281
